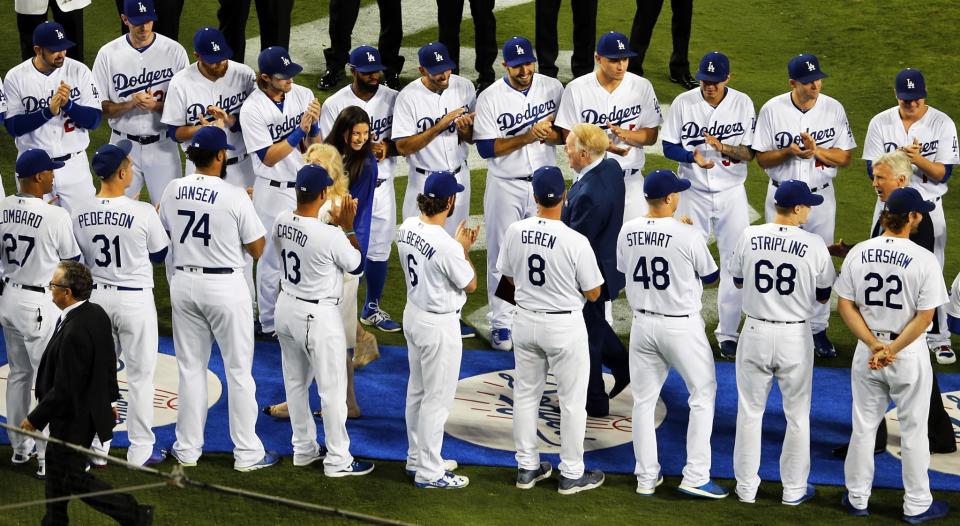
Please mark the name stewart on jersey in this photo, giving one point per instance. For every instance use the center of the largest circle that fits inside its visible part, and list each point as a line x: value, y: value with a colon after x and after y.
x: 616, y: 115
x: 285, y: 128
x: 536, y: 237
x: 513, y: 123
x: 32, y: 104
x: 125, y: 85
x: 778, y: 244
x: 657, y: 239
x: 784, y: 138
x: 105, y: 217
x: 293, y: 234
x: 229, y: 104
x: 194, y: 193
x: 418, y: 243
x: 22, y: 217
x: 885, y: 255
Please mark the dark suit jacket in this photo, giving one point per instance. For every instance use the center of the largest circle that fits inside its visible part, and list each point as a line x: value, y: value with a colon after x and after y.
x: 595, y: 209
x: 77, y: 378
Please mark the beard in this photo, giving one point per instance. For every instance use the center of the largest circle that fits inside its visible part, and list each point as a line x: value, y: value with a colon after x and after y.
x: 223, y: 169
x: 453, y: 206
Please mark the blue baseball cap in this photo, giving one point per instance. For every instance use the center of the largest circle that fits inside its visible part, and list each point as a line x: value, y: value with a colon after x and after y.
x: 366, y: 59
x: 805, y: 68
x: 34, y: 161
x: 435, y: 58
x: 904, y: 200
x: 210, y: 138
x: 276, y: 61
x: 661, y: 183
x: 517, y: 51
x: 548, y: 182
x: 313, y: 178
x: 441, y: 184
x: 108, y: 158
x: 794, y: 193
x: 51, y: 36
x: 614, y: 45
x: 211, y: 45
x: 714, y: 67
x: 139, y: 12
x: 910, y: 85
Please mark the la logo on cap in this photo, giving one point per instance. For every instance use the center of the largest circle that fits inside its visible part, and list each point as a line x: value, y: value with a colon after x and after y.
x: 519, y: 50
x: 620, y: 45
x: 286, y: 61
x: 811, y: 67
x: 143, y: 8
x: 437, y: 56
x: 710, y: 67
x: 910, y: 84
x: 59, y: 34
x: 370, y: 57
x: 214, y: 46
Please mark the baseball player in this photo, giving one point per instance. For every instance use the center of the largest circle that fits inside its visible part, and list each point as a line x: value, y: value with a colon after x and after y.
x: 554, y: 271
x: 35, y: 237
x: 438, y: 273
x: 210, y: 223
x: 804, y: 135
x: 889, y: 287
x: 367, y: 93
x: 120, y: 238
x: 929, y: 137
x: 3, y: 116
x: 278, y: 120
x: 714, y: 121
x: 621, y: 103
x: 667, y: 262
x: 315, y: 256
x: 133, y: 74
x: 52, y: 101
x: 514, y: 132
x: 784, y: 271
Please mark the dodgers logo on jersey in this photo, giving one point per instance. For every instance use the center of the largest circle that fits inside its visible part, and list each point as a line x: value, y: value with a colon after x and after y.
x: 784, y: 138
x: 230, y: 104
x: 616, y: 115
x: 425, y: 123
x: 281, y: 130
x: 514, y: 123
x: 926, y: 148
x: 380, y: 127
x: 691, y: 130
x: 942, y: 463
x: 32, y: 104
x: 125, y: 85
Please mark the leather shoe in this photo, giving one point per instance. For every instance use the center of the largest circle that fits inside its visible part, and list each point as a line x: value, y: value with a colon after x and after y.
x: 841, y: 451
x: 619, y: 385
x: 392, y: 80
x: 144, y: 515
x: 329, y: 80
x: 685, y: 80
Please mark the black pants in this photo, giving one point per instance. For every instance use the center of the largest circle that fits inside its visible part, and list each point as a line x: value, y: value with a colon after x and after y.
x: 939, y: 426
x: 168, y: 17
x: 449, y: 14
x: 643, y: 22
x: 343, y: 18
x: 605, y: 349
x: 584, y: 36
x: 274, y: 16
x: 71, y: 21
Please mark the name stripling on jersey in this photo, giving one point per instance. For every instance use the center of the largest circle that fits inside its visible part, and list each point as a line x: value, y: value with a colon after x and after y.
x: 418, y: 109
x: 380, y: 110
x: 264, y: 124
x: 434, y: 265
x: 314, y: 255
x: 35, y: 236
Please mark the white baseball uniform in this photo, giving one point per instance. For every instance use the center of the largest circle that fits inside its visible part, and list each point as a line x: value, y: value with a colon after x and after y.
x: 265, y: 123
x: 780, y: 123
x: 34, y: 238
x: 29, y: 91
x: 3, y: 111
x: 120, y: 70
x: 717, y: 199
x: 117, y: 236
x: 209, y: 222
x: 890, y: 279
x: 664, y: 261
x: 937, y: 135
x: 550, y: 263
x: 315, y: 255
x: 632, y: 105
x: 504, y: 113
x: 783, y: 270
x: 437, y: 272
x: 416, y: 110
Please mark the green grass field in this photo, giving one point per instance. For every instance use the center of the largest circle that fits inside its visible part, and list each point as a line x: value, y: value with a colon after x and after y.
x: 861, y: 44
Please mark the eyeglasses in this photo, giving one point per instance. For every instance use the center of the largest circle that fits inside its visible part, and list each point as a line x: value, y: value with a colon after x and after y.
x: 52, y: 285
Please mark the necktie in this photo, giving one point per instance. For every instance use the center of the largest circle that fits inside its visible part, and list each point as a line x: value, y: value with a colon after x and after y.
x: 57, y: 326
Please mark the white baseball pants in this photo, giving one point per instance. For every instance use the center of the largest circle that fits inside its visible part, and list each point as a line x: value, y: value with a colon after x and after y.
x: 154, y: 164
x: 383, y: 222
x: 634, y: 204
x: 461, y: 210
x: 269, y: 201
x: 505, y: 201
x: 73, y: 183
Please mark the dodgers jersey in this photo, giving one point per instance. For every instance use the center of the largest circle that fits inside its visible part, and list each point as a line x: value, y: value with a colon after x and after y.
x: 550, y: 264
x: 265, y: 123
x: 890, y: 279
x: 504, y: 112
x: 35, y: 237
x: 314, y: 255
x: 116, y: 236
x: 731, y: 122
x: 417, y: 109
x: 663, y: 261
x: 434, y: 265
x: 781, y: 268
x: 3, y: 100
x: 936, y: 133
x: 209, y: 221
x: 380, y: 110
x: 953, y: 309
x: 780, y: 123
x: 29, y: 91
x: 190, y: 93
x: 631, y: 106
x: 120, y: 70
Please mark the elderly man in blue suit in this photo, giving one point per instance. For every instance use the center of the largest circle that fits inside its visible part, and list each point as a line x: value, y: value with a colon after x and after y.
x: 595, y: 209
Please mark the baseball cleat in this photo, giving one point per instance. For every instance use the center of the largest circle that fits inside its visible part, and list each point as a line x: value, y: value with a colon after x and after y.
x: 728, y: 350
x: 22, y: 458
x: 97, y: 463
x: 811, y: 491
x: 467, y: 331
x: 184, y: 463
x: 648, y: 492
x: 448, y: 465
x: 156, y: 456
x: 501, y: 339
x: 856, y: 512
x: 372, y: 315
x: 528, y: 478
x: 937, y: 510
x: 822, y: 346
x: 41, y: 473
x: 945, y: 355
x: 710, y: 490
x: 305, y: 460
x: 587, y: 481
x: 269, y: 458
x: 447, y: 481
x: 358, y: 467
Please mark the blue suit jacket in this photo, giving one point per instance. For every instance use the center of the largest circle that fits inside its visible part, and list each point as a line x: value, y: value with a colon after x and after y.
x: 595, y: 209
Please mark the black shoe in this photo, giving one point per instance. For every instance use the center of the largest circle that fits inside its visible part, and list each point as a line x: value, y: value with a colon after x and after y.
x: 392, y: 80
x: 943, y: 449
x: 841, y: 451
x: 483, y: 83
x: 684, y: 80
x: 330, y: 79
x: 619, y: 385
x: 144, y: 515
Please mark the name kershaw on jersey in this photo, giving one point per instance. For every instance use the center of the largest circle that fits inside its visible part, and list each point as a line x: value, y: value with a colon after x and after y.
x: 32, y: 104
x: 425, y: 123
x: 125, y: 85
x: 885, y: 255
x: 229, y: 104
x: 616, y: 115
x: 418, y: 243
x: 515, y: 122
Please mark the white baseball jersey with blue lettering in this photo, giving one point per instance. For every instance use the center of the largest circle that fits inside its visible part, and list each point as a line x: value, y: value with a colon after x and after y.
x: 120, y: 70
x: 936, y: 133
x: 314, y: 255
x: 434, y: 265
x: 631, y: 106
x: 209, y: 221
x: 266, y: 123
x: 781, y: 267
x: 953, y: 309
x: 664, y: 261
x: 418, y: 109
x: 116, y: 236
x: 731, y: 122
x: 34, y: 238
x: 380, y: 110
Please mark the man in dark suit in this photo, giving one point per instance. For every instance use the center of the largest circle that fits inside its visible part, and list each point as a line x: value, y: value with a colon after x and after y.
x: 595, y: 209
x: 76, y: 386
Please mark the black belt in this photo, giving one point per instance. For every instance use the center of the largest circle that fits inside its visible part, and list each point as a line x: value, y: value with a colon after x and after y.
x: 282, y: 184
x: 308, y: 300
x: 641, y: 311
x: 528, y: 178
x: 31, y: 288
x: 893, y: 335
x: 142, y: 139
x: 776, y: 184
x: 63, y: 158
x: 380, y: 182
x: 780, y: 322
x: 234, y: 160
x: 547, y: 311
x: 211, y: 270
x: 428, y: 172
x: 114, y: 287
x: 631, y: 171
